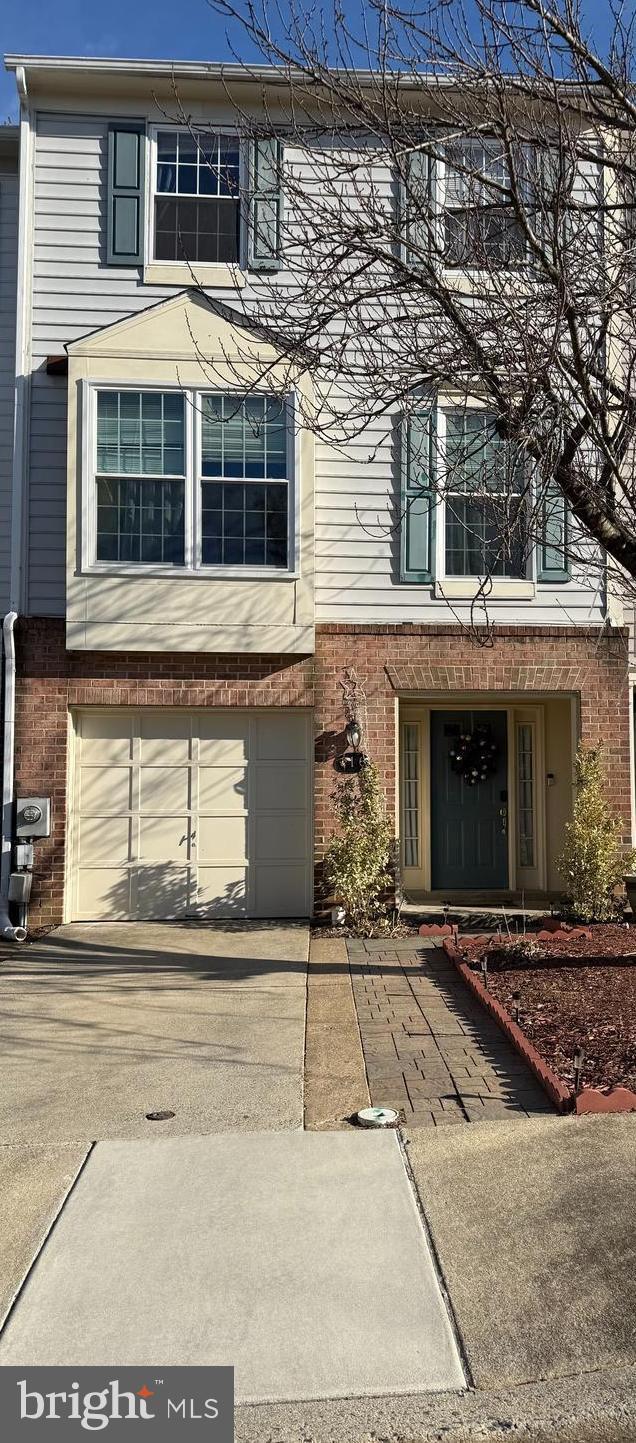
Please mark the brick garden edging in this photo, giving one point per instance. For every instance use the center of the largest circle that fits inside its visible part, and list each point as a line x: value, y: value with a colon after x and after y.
x: 588, y: 1100
x: 616, y: 1099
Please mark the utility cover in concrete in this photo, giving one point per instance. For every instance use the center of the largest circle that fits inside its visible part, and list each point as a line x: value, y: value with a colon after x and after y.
x: 298, y: 1257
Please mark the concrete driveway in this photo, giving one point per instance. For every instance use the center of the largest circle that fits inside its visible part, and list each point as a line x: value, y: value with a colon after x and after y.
x: 102, y: 1024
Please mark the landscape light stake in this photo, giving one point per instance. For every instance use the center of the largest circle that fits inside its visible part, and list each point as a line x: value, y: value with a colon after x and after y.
x: 484, y: 970
x: 516, y: 997
x: 578, y: 1059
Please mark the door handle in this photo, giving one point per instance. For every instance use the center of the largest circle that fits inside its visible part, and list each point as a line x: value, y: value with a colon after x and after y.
x: 503, y: 813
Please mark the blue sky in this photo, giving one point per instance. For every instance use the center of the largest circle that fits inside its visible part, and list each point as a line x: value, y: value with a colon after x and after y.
x: 144, y: 29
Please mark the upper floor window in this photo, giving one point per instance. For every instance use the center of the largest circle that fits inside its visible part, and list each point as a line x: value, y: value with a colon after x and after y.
x: 196, y: 197
x: 480, y: 225
x: 190, y: 479
x: 485, y: 500
x: 465, y: 499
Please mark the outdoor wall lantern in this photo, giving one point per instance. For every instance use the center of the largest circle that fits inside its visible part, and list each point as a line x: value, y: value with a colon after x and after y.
x: 355, y: 759
x: 354, y: 735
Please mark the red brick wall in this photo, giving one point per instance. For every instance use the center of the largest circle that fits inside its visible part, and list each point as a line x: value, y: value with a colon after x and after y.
x: 387, y: 660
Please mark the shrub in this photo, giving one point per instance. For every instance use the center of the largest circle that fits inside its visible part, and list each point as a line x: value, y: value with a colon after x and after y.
x: 593, y: 861
x: 357, y: 857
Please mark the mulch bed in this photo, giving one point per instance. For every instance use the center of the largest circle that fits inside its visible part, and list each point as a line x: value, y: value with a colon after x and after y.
x: 399, y: 933
x: 575, y: 991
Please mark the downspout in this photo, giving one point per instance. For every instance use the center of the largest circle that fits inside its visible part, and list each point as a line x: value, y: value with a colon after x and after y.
x: 7, y: 929
x: 10, y: 932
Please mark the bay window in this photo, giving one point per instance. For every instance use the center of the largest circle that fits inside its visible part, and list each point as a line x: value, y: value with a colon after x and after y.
x: 140, y: 477
x: 189, y: 479
x: 243, y: 481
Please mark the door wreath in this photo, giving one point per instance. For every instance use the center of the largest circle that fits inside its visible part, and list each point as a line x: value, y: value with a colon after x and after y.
x: 475, y: 755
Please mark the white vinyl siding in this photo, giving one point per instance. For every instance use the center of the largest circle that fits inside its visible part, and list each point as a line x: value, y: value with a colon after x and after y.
x: 357, y: 549
x: 357, y: 486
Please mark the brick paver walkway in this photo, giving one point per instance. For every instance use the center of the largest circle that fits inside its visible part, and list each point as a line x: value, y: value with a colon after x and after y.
x: 429, y: 1048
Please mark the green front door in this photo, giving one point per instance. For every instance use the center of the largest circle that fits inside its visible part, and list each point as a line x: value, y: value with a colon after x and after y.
x: 469, y: 818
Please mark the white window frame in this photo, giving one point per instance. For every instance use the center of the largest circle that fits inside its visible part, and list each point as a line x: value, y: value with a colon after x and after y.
x: 183, y: 267
x: 438, y: 192
x: 193, y: 566
x: 462, y: 587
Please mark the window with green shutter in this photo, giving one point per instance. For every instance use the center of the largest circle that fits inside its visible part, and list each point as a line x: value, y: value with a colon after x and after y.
x: 417, y: 510
x: 214, y: 201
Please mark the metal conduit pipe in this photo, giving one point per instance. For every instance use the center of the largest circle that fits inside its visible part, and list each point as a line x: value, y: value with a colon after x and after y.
x: 10, y: 932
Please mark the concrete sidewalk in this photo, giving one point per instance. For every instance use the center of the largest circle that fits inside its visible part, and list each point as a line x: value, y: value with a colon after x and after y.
x: 533, y: 1222
x: 299, y: 1258
x: 103, y: 1024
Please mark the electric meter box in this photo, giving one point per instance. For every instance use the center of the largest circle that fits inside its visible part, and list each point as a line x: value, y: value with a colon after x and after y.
x: 33, y: 817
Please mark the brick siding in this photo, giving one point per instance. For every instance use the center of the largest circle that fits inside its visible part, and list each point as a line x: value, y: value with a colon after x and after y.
x: 387, y: 659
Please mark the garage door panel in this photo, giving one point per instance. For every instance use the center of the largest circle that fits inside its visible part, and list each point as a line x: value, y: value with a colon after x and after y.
x: 163, y: 838
x: 222, y: 891
x: 280, y: 788
x: 281, y: 738
x: 222, y: 789
x: 280, y: 892
x: 222, y: 839
x: 165, y: 738
x: 103, y: 894
x: 279, y: 838
x: 223, y: 738
x: 104, y: 790
x: 164, y: 789
x: 163, y: 890
x: 106, y: 738
x: 104, y: 839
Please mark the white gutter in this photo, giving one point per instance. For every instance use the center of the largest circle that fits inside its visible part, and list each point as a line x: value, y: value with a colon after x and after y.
x: 7, y: 929
x: 228, y: 70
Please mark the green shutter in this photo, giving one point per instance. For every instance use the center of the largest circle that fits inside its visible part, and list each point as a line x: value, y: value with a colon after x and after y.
x: 415, y: 236
x: 125, y: 211
x: 265, y: 204
x: 417, y: 499
x: 552, y: 562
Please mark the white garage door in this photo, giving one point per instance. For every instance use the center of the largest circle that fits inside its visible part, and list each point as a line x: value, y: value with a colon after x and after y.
x: 200, y: 814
